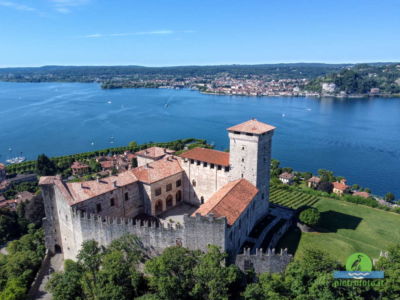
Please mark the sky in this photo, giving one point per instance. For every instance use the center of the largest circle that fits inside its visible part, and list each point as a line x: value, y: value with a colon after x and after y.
x: 197, y: 32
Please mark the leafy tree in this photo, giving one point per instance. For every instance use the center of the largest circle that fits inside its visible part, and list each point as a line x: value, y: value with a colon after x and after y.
x: 326, y: 176
x: 213, y: 280
x: 15, y: 289
x: 269, y: 286
x: 45, y: 166
x: 325, y: 186
x: 310, y: 216
x: 133, y: 145
x: 171, y: 273
x: 67, y: 285
x: 391, y: 266
x: 389, y: 197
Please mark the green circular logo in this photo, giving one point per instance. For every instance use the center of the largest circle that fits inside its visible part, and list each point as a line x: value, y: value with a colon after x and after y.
x: 359, y: 262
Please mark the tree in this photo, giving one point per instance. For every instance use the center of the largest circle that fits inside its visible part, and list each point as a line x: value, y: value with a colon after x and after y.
x: 45, y: 166
x: 310, y: 216
x: 171, y: 273
x: 325, y: 186
x: 67, y: 285
x: 389, y: 197
x: 326, y: 176
x: 391, y: 266
x: 213, y: 280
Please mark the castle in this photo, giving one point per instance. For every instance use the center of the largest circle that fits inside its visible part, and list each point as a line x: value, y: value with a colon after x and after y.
x: 200, y: 197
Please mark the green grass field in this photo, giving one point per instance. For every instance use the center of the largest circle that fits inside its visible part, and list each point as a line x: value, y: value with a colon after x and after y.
x: 346, y: 228
x: 292, y: 199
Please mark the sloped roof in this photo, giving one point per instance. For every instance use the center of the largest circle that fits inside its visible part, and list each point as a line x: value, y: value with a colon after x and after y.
x: 154, y: 152
x: 79, y: 165
x: 286, y: 175
x: 158, y: 170
x: 81, y: 191
x: 340, y: 186
x: 208, y: 155
x: 314, y: 179
x: 252, y: 126
x: 230, y: 201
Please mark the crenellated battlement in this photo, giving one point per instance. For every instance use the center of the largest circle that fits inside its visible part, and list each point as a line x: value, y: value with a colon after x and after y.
x: 261, y: 262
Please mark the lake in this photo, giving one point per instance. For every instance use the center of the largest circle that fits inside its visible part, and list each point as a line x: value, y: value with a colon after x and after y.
x: 356, y: 138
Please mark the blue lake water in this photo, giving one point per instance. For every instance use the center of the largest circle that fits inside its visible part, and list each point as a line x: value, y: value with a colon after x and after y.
x: 356, y: 138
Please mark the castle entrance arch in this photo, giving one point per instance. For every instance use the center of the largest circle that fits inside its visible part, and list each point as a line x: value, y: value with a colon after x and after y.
x: 169, y: 201
x: 178, y: 196
x: 158, y: 207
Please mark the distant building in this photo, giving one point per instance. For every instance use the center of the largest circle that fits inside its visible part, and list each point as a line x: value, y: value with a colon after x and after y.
x: 328, y: 87
x: 286, y: 178
x: 152, y: 154
x: 79, y: 168
x: 374, y: 91
x: 2, y: 172
x: 313, y: 182
x: 362, y: 194
x: 340, y: 188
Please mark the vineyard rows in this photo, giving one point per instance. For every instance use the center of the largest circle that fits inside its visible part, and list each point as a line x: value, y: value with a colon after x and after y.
x: 291, y: 199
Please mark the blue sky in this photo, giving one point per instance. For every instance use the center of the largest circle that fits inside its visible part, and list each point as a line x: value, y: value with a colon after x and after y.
x: 192, y: 32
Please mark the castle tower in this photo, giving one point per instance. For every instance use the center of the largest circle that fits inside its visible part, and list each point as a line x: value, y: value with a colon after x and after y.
x: 250, y: 154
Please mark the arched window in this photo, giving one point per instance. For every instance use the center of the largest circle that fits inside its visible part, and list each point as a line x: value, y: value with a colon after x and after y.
x: 194, y: 182
x: 178, y: 196
x: 158, y: 207
x: 169, y: 201
x: 202, y: 200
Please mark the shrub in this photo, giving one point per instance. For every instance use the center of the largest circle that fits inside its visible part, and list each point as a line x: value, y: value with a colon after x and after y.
x: 310, y: 216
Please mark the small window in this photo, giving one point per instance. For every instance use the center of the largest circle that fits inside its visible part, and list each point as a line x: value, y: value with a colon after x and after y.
x: 219, y: 168
x: 169, y: 187
x: 202, y: 200
x: 249, y: 134
x: 236, y: 132
x: 242, y: 159
x: 126, y: 196
x: 242, y: 175
x: 112, y: 202
x: 194, y: 182
x: 262, y: 196
x: 212, y: 166
x: 158, y: 191
x: 178, y: 183
x: 205, y: 164
x: 98, y: 207
x: 192, y: 161
x: 198, y: 163
x: 226, y: 169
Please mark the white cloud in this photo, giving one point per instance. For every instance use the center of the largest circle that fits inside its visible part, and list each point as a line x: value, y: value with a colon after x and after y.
x: 17, y: 6
x: 155, y: 32
x: 65, y: 6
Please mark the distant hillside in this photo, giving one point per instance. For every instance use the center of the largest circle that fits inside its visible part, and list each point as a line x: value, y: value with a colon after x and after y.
x: 100, y: 73
x: 359, y: 79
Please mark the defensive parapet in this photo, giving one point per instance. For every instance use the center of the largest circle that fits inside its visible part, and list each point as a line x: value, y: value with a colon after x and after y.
x: 195, y: 233
x: 263, y: 262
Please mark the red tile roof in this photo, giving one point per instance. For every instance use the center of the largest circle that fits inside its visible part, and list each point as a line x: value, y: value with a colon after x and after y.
x: 107, y: 164
x: 79, y: 165
x: 208, y: 155
x: 340, y: 186
x: 2, y: 166
x: 81, y: 191
x: 286, y: 175
x: 230, y: 201
x: 154, y: 152
x: 361, y: 194
x: 314, y: 179
x: 252, y: 126
x: 158, y: 170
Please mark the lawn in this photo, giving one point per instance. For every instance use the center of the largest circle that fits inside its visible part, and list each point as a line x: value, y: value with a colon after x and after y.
x: 346, y: 228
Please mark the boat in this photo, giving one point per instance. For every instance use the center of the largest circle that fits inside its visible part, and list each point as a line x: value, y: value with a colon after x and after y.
x: 16, y: 160
x: 109, y: 102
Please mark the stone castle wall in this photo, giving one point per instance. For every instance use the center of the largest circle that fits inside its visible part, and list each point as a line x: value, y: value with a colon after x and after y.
x: 207, y: 179
x: 263, y: 262
x: 195, y: 233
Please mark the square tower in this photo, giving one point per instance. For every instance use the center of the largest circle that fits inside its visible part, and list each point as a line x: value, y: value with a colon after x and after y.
x: 250, y: 154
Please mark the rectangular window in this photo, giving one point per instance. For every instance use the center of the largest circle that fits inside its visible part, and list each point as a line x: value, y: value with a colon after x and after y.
x: 98, y: 207
x: 126, y: 196
x: 226, y: 169
x: 112, y: 202
x: 198, y: 163
x: 169, y: 187
x: 212, y: 166
x: 236, y: 132
x: 204, y: 164
x: 219, y: 167
x: 192, y: 161
x: 158, y: 191
x: 178, y: 183
x: 249, y: 134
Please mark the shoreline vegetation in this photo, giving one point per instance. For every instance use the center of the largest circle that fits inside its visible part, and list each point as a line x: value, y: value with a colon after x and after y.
x: 271, y: 80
